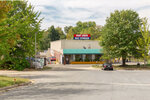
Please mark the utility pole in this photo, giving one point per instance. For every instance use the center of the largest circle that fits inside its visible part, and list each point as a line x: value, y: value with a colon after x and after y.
x: 35, y: 44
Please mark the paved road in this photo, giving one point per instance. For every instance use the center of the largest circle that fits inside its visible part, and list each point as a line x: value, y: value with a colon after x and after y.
x: 81, y: 83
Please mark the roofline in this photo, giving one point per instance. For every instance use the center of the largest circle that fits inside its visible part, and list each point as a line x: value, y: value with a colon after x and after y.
x: 73, y: 40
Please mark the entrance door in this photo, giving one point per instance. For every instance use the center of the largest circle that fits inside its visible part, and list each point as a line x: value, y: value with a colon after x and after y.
x: 67, y: 59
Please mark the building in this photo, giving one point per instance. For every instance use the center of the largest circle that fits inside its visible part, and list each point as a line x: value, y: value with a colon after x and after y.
x: 74, y: 51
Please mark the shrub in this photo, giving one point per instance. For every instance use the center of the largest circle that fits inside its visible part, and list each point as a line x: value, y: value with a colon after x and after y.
x: 87, y: 59
x: 77, y: 59
x: 15, y: 64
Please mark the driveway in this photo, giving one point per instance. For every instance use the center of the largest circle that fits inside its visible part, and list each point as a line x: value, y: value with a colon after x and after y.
x: 80, y: 82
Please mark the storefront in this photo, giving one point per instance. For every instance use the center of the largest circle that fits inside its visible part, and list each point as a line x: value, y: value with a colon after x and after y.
x: 76, y: 51
x: 82, y: 55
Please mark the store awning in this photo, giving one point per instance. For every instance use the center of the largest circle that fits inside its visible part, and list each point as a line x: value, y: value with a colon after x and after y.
x: 82, y: 51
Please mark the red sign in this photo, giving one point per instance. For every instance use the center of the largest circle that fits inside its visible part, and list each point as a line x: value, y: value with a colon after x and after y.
x: 82, y: 35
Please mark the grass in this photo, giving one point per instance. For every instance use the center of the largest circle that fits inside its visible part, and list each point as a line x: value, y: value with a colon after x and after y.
x: 33, y: 69
x: 9, y: 81
x: 132, y: 67
x: 127, y: 67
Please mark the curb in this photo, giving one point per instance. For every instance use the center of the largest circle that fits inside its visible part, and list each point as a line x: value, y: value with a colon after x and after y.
x: 14, y: 86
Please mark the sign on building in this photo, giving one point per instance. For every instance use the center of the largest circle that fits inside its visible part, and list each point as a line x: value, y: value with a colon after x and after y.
x: 82, y: 36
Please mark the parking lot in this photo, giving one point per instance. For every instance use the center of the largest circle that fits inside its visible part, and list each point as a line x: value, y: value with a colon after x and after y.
x: 80, y: 82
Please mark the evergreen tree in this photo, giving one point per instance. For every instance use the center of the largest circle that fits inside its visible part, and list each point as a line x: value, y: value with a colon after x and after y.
x: 54, y: 34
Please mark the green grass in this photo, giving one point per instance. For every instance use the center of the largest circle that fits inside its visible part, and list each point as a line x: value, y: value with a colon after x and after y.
x: 8, y: 81
x: 132, y: 67
x: 127, y: 67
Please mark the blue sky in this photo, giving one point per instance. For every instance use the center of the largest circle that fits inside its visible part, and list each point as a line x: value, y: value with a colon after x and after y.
x: 67, y: 12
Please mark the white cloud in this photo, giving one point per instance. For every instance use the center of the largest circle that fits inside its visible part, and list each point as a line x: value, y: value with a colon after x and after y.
x: 68, y: 12
x: 144, y: 13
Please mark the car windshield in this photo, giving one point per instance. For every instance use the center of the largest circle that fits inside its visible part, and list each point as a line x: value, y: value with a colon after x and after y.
x: 107, y: 64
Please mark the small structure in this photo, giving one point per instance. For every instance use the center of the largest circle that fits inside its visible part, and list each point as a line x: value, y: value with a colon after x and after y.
x: 76, y: 51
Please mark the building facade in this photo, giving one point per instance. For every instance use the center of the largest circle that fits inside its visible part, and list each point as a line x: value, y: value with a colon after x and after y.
x: 69, y: 51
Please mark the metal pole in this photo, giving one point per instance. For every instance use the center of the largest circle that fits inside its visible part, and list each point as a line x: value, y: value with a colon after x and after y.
x: 35, y: 44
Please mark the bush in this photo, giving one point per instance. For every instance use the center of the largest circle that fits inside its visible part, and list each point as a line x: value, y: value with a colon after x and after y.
x: 96, y: 59
x: 21, y: 64
x: 77, y: 59
x: 87, y: 59
x: 16, y: 64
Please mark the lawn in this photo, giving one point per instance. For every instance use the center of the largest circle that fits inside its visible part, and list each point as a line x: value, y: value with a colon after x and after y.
x: 45, y: 68
x: 132, y: 67
x: 127, y: 67
x: 8, y: 81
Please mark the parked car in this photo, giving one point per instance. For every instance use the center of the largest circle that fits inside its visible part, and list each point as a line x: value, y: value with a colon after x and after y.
x: 107, y: 66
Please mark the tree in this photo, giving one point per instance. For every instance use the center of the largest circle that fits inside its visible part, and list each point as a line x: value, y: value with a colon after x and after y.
x: 54, y: 34
x: 144, y: 41
x: 61, y: 33
x: 4, y: 8
x: 84, y: 28
x: 67, y: 28
x: 18, y: 34
x: 49, y: 35
x: 45, y: 41
x: 70, y: 33
x: 120, y: 33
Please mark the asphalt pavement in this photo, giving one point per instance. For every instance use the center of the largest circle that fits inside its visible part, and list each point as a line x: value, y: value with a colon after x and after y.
x: 80, y: 82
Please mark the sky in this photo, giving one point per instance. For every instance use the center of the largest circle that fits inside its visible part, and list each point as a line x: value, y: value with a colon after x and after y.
x: 67, y: 12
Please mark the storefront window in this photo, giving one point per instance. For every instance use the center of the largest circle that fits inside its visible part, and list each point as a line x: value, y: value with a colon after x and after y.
x: 78, y: 58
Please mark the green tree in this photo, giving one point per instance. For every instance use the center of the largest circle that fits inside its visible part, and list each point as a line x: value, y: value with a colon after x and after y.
x: 144, y: 41
x: 67, y: 28
x: 49, y: 35
x: 45, y: 41
x: 54, y: 34
x: 4, y: 8
x: 18, y: 34
x: 61, y: 33
x: 70, y: 33
x: 120, y: 33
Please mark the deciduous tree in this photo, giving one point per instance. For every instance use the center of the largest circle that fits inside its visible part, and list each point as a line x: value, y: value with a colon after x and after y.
x: 120, y: 33
x: 18, y: 34
x: 144, y: 41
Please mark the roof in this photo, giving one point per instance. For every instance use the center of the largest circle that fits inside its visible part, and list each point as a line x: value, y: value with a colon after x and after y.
x: 82, y: 51
x: 72, y: 40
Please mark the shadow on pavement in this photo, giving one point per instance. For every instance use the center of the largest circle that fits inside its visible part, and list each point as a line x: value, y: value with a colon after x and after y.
x: 40, y: 76
x: 67, y: 69
x: 48, y: 91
